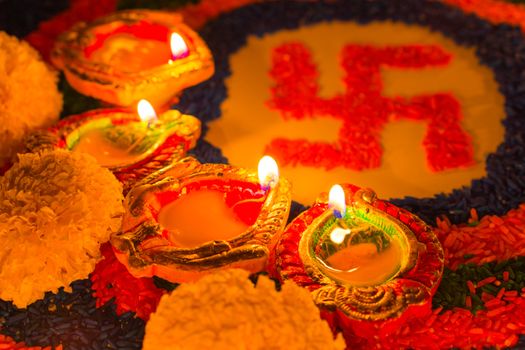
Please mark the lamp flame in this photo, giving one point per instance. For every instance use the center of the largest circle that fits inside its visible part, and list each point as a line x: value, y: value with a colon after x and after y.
x: 338, y: 235
x: 179, y: 49
x: 268, y: 172
x: 146, y: 112
x: 336, y: 201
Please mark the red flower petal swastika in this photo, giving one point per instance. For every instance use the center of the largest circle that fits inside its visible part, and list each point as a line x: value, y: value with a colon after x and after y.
x: 362, y: 109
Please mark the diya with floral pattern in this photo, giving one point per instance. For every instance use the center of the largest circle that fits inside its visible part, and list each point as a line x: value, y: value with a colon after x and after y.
x: 132, y: 146
x: 189, y: 219
x: 369, y: 267
x: 126, y: 56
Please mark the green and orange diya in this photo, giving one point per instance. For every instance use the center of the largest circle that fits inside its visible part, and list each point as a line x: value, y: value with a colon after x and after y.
x: 369, y: 265
x: 131, y: 144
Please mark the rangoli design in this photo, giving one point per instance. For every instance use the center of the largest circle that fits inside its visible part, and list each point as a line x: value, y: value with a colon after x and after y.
x: 362, y: 108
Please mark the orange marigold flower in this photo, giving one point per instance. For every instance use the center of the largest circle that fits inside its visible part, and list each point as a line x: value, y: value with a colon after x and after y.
x: 56, y: 208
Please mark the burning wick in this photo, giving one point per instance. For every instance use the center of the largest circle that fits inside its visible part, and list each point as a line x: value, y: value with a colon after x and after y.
x: 147, y: 112
x: 337, y: 202
x: 268, y: 172
x: 179, y: 49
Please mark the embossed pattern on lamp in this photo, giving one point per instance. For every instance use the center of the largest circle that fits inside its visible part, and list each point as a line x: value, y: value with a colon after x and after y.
x: 189, y: 219
x: 126, y: 56
x: 373, y: 264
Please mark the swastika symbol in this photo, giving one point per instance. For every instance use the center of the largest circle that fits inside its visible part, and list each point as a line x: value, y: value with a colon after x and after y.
x: 362, y: 108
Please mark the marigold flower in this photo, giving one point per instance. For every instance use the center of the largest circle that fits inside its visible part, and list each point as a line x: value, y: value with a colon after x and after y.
x: 29, y: 95
x: 225, y: 311
x: 56, y: 208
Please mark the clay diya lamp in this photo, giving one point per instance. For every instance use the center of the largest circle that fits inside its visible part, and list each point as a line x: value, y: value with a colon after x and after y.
x: 189, y: 219
x: 369, y: 265
x: 131, y: 55
x: 131, y: 144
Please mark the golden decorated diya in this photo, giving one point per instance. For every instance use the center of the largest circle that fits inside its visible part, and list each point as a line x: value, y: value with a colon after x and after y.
x: 133, y: 55
x: 369, y: 265
x: 189, y: 219
x: 131, y: 144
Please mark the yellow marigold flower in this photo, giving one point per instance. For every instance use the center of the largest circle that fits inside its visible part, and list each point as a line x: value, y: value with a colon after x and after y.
x: 29, y: 97
x: 56, y: 208
x: 225, y: 311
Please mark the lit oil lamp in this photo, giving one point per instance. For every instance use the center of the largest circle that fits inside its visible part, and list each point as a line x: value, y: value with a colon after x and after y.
x: 126, y: 56
x: 131, y: 144
x: 190, y: 218
x: 368, y: 264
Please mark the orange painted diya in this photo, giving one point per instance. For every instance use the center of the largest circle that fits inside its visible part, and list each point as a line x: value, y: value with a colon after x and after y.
x: 369, y: 270
x: 133, y: 55
x: 189, y: 219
